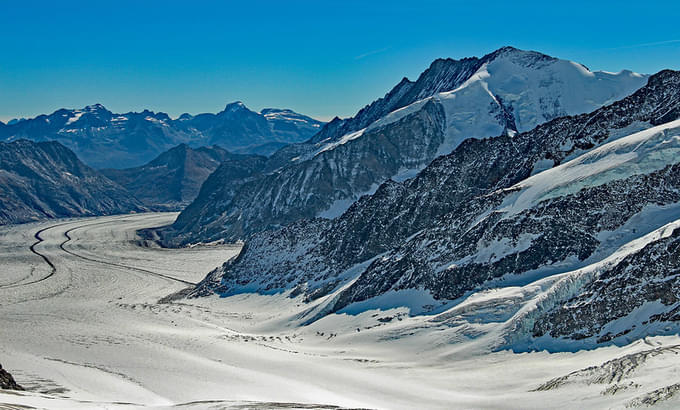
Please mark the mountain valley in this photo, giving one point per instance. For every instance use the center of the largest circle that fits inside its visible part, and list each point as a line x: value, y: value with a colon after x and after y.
x: 502, y: 232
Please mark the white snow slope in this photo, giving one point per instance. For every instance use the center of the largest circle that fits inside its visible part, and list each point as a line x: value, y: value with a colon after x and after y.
x: 640, y: 153
x: 93, y: 334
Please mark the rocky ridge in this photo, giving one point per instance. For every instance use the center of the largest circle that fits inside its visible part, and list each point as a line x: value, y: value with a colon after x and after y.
x: 41, y: 180
x: 505, y: 92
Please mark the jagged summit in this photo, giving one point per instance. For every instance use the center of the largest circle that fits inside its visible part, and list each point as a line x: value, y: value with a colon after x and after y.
x: 516, y: 53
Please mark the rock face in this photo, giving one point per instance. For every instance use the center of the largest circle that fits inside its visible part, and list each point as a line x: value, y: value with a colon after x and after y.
x: 568, y: 194
x: 174, y: 178
x: 41, y: 180
x: 103, y: 139
x: 646, y: 280
x: 290, y: 193
x: 505, y: 92
x: 7, y: 381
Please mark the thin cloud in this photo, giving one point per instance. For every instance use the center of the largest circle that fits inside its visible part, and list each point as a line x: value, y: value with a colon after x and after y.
x: 370, y: 53
x: 656, y: 43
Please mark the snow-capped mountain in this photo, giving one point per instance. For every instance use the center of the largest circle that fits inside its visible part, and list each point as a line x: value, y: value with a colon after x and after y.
x: 241, y: 130
x: 107, y: 140
x: 41, y: 180
x: 505, y: 92
x: 571, y: 228
x: 173, y: 179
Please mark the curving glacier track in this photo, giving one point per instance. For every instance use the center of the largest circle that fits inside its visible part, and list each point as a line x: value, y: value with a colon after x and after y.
x: 81, y: 326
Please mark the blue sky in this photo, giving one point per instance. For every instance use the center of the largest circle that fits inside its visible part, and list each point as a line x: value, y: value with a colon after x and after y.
x: 318, y: 58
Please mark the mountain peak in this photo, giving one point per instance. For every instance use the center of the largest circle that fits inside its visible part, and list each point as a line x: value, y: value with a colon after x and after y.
x: 518, y: 56
x: 665, y: 77
x: 95, y: 107
x: 235, y: 106
x: 508, y: 49
x: 403, y: 81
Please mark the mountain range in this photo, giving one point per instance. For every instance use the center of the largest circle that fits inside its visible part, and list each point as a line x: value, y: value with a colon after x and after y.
x: 573, y: 224
x: 103, y: 139
x: 505, y: 92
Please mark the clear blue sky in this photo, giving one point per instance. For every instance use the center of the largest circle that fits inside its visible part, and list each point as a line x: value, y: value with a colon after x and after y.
x: 318, y: 58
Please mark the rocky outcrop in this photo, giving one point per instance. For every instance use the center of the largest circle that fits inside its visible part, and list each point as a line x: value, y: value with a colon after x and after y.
x: 7, y: 381
x: 649, y: 278
x: 300, y: 192
x: 621, y: 377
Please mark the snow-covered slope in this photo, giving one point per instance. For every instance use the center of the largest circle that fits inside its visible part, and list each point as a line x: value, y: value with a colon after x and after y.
x: 95, y: 335
x: 486, y: 216
x: 505, y: 92
x: 640, y: 153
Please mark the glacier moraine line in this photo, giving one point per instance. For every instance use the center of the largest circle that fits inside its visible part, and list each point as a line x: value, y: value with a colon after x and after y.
x: 148, y: 272
x: 53, y: 268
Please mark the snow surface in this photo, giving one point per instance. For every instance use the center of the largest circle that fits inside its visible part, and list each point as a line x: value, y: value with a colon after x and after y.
x: 286, y: 115
x: 94, y: 335
x: 343, y: 140
x: 639, y: 153
x: 76, y: 116
x: 535, y: 91
x: 339, y: 206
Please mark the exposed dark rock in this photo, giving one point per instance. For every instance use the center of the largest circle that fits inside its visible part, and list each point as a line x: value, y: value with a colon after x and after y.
x: 299, y: 192
x: 40, y: 180
x: 614, y: 372
x: 174, y: 178
x: 7, y: 381
x: 648, y: 276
